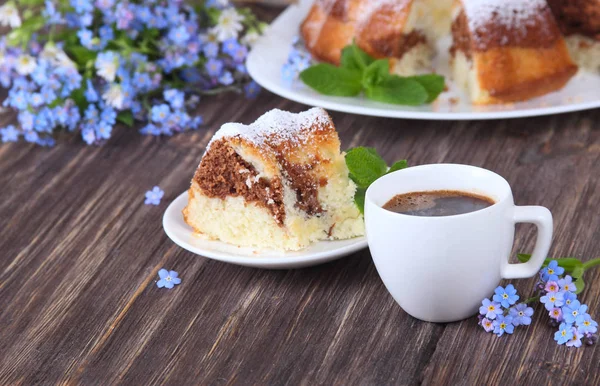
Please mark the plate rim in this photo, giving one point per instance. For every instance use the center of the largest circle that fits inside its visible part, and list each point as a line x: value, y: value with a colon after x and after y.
x: 256, y: 261
x: 252, y: 65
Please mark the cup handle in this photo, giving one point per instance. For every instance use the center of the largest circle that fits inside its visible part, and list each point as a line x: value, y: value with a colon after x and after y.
x: 542, y: 218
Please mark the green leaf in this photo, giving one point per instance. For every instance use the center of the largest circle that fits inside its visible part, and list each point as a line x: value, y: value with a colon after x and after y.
x: 81, y: 55
x: 376, y: 73
x: 30, y: 3
x: 398, y: 165
x: 354, y: 58
x: 125, y: 117
x: 331, y: 80
x: 359, y: 199
x: 580, y: 284
x: 33, y: 23
x: 577, y: 272
x: 213, y: 15
x: 365, y: 166
x: 14, y: 37
x: 78, y: 97
x: 397, y: 90
x: 151, y: 33
x: 433, y: 83
x: 568, y: 263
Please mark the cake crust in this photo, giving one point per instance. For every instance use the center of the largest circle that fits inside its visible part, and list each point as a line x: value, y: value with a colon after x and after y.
x: 579, y: 20
x: 510, y: 50
x: 517, y: 74
x: 391, y: 29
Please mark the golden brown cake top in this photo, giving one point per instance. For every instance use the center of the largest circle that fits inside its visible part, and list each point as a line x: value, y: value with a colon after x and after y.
x: 500, y: 23
x: 577, y: 16
x: 284, y: 132
x: 375, y: 25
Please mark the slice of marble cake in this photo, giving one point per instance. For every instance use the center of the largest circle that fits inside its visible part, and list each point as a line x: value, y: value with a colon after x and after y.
x: 279, y: 183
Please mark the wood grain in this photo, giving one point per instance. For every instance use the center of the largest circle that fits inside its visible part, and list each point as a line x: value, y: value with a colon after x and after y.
x: 79, y: 252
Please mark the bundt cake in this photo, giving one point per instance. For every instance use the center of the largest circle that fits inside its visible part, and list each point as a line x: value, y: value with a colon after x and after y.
x: 279, y: 183
x: 579, y: 21
x: 502, y: 50
x: 507, y: 50
x: 402, y: 30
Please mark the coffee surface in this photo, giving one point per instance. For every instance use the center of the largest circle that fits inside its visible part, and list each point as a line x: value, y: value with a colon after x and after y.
x: 437, y: 203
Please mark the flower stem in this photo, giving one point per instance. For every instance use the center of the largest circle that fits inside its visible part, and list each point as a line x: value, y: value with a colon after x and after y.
x: 532, y: 299
x: 591, y: 263
x: 216, y: 91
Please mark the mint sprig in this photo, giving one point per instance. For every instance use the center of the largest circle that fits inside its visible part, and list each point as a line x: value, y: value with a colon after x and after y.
x: 365, y: 166
x: 359, y: 72
x: 353, y: 58
x: 331, y: 80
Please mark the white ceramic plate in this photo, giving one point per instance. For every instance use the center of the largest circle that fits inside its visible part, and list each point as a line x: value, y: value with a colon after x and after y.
x: 271, y: 51
x: 318, y: 253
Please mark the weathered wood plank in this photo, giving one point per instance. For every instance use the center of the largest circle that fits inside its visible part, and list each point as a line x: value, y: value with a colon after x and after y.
x: 79, y: 254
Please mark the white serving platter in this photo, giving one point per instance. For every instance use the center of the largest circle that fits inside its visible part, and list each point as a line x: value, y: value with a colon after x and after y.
x: 271, y: 51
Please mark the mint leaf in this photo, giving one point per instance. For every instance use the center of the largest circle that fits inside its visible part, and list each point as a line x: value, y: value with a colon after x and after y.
x: 365, y: 166
x: 376, y: 73
x: 331, y: 80
x: 359, y: 199
x: 354, y: 58
x: 433, y: 83
x: 397, y: 90
x: 398, y: 165
x: 125, y: 117
x: 358, y: 71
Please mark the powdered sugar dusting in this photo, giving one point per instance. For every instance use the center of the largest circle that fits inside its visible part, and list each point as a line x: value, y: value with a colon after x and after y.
x: 368, y: 8
x: 509, y: 13
x: 277, y: 127
x: 371, y: 6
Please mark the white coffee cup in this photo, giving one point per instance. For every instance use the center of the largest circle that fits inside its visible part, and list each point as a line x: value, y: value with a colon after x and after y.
x: 439, y: 269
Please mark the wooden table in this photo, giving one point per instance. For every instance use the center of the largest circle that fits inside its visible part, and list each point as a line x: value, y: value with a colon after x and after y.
x: 79, y: 255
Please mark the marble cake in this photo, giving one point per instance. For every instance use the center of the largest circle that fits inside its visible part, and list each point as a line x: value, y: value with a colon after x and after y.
x: 279, y: 183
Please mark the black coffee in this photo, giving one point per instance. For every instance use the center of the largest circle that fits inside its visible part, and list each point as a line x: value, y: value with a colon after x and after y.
x: 437, y: 203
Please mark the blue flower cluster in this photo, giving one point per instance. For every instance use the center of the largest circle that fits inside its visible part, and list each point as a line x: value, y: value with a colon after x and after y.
x: 39, y: 91
x: 558, y: 294
x: 502, y: 314
x: 298, y: 60
x: 90, y: 64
